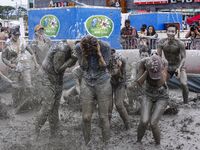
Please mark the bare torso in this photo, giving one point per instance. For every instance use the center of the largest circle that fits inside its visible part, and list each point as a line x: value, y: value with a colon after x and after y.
x: 172, y: 51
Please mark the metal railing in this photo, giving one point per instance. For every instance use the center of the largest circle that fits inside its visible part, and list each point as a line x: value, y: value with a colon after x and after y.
x: 134, y: 43
x: 151, y: 43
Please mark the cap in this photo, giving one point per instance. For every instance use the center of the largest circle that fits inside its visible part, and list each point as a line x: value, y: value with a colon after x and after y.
x: 38, y: 27
x: 154, y: 67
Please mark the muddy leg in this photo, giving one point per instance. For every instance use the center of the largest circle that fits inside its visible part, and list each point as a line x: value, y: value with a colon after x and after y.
x: 157, y: 113
x: 87, y: 99
x: 48, y: 95
x: 110, y: 109
x: 146, y: 107
x: 104, y: 96
x: 54, y: 115
x: 120, y: 96
x: 184, y: 86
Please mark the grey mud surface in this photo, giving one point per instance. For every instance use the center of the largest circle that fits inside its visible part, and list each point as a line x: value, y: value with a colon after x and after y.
x: 178, y: 132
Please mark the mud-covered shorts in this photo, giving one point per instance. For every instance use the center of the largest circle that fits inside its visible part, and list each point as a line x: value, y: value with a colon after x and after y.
x: 155, y: 94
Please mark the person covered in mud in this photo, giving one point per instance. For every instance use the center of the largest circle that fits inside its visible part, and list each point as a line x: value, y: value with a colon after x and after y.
x: 93, y: 57
x: 152, y: 71
x: 135, y: 95
x: 50, y: 75
x: 117, y: 69
x: 4, y: 35
x: 41, y: 44
x: 175, y: 53
x: 14, y: 56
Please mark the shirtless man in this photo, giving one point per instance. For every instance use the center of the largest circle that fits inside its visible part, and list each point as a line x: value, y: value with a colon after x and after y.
x: 153, y: 70
x: 174, y: 52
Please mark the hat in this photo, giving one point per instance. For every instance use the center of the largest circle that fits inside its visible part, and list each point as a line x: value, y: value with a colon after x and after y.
x: 154, y: 67
x: 38, y: 27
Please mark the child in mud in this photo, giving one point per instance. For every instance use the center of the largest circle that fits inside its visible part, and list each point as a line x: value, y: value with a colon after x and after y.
x: 117, y: 69
x: 152, y: 71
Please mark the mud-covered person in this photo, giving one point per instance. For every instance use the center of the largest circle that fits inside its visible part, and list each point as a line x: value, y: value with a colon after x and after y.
x: 40, y: 44
x: 117, y: 69
x: 175, y: 53
x: 93, y: 56
x: 152, y: 72
x: 14, y: 56
x: 50, y: 75
x: 133, y: 94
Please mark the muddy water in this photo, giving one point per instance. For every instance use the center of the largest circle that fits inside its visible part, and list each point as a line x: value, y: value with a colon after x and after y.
x: 178, y: 132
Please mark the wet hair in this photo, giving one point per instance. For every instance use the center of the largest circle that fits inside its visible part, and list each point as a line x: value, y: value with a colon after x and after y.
x: 144, y: 49
x: 113, y: 50
x: 127, y: 21
x: 89, y: 44
x: 172, y: 25
x: 154, y: 31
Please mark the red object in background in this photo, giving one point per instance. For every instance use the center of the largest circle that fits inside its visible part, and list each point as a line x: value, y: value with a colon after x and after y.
x: 191, y: 20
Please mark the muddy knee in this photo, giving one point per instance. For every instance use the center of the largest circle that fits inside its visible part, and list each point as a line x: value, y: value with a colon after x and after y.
x: 87, y: 117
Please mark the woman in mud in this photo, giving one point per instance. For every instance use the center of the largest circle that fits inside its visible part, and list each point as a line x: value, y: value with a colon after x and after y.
x: 14, y: 56
x: 93, y: 56
x: 153, y: 70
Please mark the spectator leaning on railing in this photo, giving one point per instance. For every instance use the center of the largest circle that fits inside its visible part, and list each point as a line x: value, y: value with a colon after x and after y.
x: 128, y: 36
x: 194, y: 35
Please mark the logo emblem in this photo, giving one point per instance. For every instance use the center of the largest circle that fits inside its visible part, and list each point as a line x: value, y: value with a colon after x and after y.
x: 99, y: 26
x: 51, y: 25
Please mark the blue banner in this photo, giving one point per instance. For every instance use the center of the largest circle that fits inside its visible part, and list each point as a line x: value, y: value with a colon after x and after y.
x: 76, y: 22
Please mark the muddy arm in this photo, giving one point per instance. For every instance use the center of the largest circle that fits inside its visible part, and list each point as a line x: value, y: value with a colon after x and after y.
x: 183, y: 55
x: 4, y: 57
x: 29, y: 49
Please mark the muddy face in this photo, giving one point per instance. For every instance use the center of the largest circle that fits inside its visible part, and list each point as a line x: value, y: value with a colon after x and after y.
x: 144, y: 54
x: 171, y: 32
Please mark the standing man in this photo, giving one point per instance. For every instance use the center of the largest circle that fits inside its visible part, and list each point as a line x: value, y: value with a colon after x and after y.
x: 93, y: 56
x: 174, y: 52
x: 51, y: 75
x: 117, y: 70
x: 128, y: 36
x: 153, y: 70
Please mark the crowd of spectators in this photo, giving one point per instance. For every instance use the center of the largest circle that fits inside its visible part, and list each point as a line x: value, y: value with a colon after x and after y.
x: 130, y: 38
